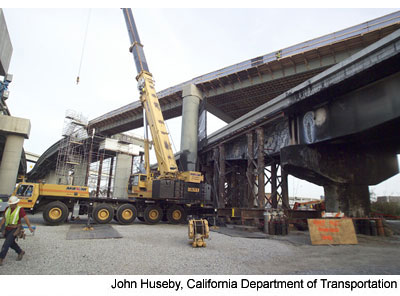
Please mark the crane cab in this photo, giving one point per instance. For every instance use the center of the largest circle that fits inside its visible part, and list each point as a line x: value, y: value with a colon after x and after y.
x: 139, y: 186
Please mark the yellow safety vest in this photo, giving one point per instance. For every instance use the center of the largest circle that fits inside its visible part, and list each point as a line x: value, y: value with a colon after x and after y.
x: 12, y: 218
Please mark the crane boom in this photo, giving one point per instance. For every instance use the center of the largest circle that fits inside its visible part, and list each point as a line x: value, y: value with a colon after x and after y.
x: 148, y: 97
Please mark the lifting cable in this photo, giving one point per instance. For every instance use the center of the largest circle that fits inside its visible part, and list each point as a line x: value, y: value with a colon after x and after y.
x: 84, y: 44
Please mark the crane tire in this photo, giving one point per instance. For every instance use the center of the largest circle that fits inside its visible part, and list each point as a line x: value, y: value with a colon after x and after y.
x: 176, y: 214
x: 126, y: 214
x: 103, y: 213
x: 153, y: 214
x: 55, y: 213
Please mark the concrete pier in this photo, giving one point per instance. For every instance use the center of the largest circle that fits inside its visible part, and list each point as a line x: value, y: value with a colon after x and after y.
x: 190, y: 118
x: 343, y: 171
x: 122, y: 174
x: 16, y: 130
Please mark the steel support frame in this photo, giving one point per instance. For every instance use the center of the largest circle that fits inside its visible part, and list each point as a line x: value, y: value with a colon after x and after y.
x: 110, y: 175
x: 236, y: 183
x: 266, y: 170
x: 100, y: 172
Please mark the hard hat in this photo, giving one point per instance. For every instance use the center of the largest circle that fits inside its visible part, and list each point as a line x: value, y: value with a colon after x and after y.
x: 13, y: 200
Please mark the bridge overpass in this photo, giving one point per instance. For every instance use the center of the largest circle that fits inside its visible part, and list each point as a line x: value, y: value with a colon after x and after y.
x: 339, y: 129
x: 274, y: 105
x: 233, y: 91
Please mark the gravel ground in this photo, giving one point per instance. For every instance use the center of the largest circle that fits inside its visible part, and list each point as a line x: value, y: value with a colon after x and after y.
x: 165, y: 249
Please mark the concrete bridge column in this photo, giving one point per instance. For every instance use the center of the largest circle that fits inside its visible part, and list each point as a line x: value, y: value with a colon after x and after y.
x: 190, y: 118
x: 354, y: 200
x: 122, y: 174
x: 345, y: 173
x: 10, y: 163
x: 80, y: 174
x: 16, y: 129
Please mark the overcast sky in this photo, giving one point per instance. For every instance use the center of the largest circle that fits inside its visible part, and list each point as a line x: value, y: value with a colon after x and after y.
x: 179, y: 44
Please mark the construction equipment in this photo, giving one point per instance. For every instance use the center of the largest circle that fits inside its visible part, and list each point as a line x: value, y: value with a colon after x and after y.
x: 305, y: 210
x: 317, y: 205
x: 57, y: 201
x: 198, y: 231
x: 54, y: 200
x: 169, y: 187
x: 167, y: 193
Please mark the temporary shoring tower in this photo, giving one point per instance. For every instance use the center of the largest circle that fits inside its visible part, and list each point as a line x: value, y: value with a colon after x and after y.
x: 72, y: 149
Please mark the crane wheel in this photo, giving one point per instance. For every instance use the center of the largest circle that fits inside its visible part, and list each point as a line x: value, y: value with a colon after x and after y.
x: 103, y: 213
x: 153, y: 214
x: 176, y: 215
x: 55, y: 213
x: 126, y: 214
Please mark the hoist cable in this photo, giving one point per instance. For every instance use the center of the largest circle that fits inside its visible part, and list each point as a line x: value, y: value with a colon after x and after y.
x: 84, y: 44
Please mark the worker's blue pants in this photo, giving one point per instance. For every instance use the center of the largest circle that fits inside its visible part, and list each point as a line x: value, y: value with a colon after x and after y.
x: 9, y: 243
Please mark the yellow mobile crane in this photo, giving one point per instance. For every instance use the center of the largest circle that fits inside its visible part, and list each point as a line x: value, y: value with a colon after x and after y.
x: 168, y: 193
x: 171, y: 189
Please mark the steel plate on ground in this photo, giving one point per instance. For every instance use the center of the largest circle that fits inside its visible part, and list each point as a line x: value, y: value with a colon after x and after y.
x: 98, y: 232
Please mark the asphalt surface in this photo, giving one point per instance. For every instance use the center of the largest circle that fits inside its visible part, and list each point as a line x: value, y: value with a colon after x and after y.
x: 165, y: 249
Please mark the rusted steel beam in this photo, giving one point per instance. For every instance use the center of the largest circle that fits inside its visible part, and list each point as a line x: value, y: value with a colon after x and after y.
x: 215, y: 176
x: 245, y: 213
x: 234, y: 190
x: 110, y: 176
x: 252, y: 213
x: 250, y: 170
x: 99, y: 174
x: 221, y: 181
x: 89, y: 161
x: 274, y: 187
x: 260, y: 167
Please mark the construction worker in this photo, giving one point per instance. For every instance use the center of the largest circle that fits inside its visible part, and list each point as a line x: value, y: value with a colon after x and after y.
x: 12, y: 219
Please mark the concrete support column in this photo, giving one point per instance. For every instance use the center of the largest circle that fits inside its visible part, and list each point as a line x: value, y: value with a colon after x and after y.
x: 344, y: 172
x: 353, y: 200
x: 80, y: 174
x: 16, y: 130
x: 333, y: 193
x: 190, y: 118
x: 285, y: 189
x: 10, y: 163
x: 122, y: 174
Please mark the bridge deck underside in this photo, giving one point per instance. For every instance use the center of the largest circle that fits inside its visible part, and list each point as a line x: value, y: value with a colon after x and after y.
x: 241, y: 101
x: 237, y: 93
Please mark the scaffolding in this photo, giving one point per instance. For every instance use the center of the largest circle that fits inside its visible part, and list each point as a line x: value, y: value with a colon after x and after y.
x: 83, y: 160
x: 103, y: 159
x: 72, y: 151
x: 101, y: 173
